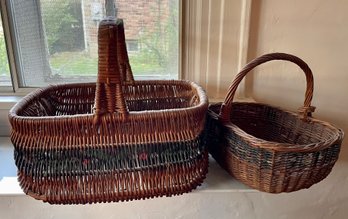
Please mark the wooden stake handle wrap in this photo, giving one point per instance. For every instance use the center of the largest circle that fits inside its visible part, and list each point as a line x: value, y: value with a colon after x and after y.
x: 125, y: 68
x: 306, y: 110
x: 113, y: 69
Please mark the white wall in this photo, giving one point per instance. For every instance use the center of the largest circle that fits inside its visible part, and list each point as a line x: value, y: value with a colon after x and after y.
x: 317, y: 32
x: 4, y: 124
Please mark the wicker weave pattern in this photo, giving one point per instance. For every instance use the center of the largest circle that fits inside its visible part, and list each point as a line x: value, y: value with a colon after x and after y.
x: 69, y: 114
x: 115, y: 140
x: 268, y: 148
x: 171, y: 180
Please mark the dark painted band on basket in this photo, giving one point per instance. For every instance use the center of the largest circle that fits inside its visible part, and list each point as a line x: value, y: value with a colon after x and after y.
x: 92, y: 160
x: 173, y: 179
x: 306, y: 110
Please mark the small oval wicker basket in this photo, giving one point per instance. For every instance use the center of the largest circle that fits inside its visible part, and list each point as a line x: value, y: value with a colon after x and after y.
x: 271, y: 149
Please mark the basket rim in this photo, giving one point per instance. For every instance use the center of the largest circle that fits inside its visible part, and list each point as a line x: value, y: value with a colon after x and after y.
x: 278, y: 146
x: 203, y: 100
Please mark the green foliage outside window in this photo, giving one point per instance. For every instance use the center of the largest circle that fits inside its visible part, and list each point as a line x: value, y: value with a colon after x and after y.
x: 63, y: 25
x: 161, y: 42
x: 4, y: 69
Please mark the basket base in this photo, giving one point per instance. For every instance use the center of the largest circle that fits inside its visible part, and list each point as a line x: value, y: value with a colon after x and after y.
x: 265, y: 180
x: 174, y: 179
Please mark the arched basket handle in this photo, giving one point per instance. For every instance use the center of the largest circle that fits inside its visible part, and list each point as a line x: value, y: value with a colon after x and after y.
x: 305, y: 111
x: 113, y: 69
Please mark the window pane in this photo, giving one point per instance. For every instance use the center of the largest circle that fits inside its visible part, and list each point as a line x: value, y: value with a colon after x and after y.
x: 63, y: 38
x: 5, y: 79
x: 69, y: 54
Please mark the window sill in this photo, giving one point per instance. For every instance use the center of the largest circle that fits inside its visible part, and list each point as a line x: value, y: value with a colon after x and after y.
x: 217, y: 179
x: 6, y: 102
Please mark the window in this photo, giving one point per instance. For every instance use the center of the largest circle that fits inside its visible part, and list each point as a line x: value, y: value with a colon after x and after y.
x: 55, y: 41
x: 5, y: 79
x: 132, y: 45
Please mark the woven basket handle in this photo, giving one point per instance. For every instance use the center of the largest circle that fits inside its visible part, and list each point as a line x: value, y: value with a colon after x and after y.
x: 113, y: 69
x: 305, y: 111
x: 126, y: 70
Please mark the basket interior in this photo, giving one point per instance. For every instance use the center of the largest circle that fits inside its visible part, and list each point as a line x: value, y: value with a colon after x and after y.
x: 275, y: 125
x: 79, y: 98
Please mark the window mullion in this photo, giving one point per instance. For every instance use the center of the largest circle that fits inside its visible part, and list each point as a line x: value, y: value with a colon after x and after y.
x: 34, y: 67
x: 9, y: 47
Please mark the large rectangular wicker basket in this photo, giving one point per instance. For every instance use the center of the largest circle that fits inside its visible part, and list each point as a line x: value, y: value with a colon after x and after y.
x: 114, y: 140
x: 271, y: 149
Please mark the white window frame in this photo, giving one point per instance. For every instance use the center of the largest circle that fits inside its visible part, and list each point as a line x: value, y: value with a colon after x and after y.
x: 14, y: 66
x: 8, y: 42
x: 10, y: 95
